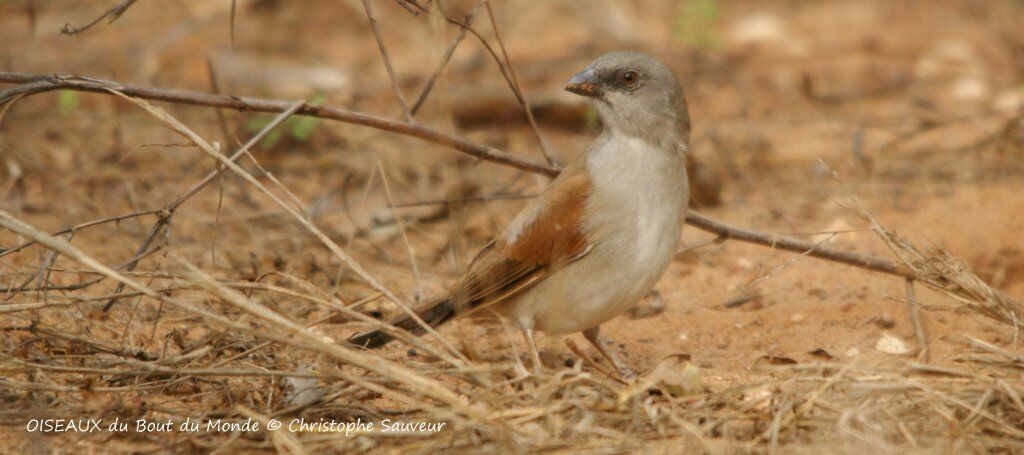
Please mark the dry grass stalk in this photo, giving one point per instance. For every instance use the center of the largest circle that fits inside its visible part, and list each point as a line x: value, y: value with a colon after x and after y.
x: 943, y: 272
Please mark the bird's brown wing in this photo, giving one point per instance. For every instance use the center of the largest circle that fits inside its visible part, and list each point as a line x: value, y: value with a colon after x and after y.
x: 544, y: 236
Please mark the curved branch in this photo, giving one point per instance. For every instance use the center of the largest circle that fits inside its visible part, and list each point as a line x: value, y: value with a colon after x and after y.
x: 873, y: 263
x: 113, y: 14
x: 39, y: 83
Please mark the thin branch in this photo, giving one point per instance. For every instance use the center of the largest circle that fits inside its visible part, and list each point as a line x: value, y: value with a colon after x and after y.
x: 483, y: 42
x: 508, y: 73
x: 162, y: 219
x: 42, y: 275
x: 517, y: 90
x: 234, y: 9
x: 215, y: 87
x: 77, y: 227
x: 84, y: 284
x: 387, y: 61
x: 39, y: 83
x: 727, y: 232
x: 113, y: 14
x: 444, y: 60
x: 222, y: 121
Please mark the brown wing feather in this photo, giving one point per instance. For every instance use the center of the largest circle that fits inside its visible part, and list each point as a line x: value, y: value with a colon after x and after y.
x: 550, y: 230
x: 545, y: 235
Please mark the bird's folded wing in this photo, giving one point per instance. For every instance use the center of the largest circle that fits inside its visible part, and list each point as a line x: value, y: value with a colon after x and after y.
x: 546, y: 235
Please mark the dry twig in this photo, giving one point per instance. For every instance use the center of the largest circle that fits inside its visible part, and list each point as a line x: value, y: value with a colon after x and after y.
x: 468, y: 20
x: 112, y: 14
x: 387, y: 61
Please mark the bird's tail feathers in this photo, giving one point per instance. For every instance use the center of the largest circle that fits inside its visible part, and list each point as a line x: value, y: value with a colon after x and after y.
x: 440, y: 311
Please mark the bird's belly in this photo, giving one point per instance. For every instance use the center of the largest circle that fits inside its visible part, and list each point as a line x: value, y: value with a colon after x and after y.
x: 632, y: 220
x: 598, y: 287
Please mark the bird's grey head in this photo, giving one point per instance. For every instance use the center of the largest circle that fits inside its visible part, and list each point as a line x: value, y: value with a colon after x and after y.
x: 635, y: 94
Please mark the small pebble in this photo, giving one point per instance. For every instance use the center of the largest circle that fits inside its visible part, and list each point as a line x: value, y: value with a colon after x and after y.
x: 885, y: 321
x: 891, y: 345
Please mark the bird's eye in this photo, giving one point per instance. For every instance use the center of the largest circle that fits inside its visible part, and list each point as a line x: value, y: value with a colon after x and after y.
x: 630, y: 77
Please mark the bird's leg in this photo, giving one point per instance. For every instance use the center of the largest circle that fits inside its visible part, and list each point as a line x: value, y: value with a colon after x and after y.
x: 592, y: 335
x: 527, y: 329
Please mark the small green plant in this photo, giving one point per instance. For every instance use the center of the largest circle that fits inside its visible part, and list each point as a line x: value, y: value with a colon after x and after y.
x: 67, y: 102
x: 695, y: 23
x: 299, y: 128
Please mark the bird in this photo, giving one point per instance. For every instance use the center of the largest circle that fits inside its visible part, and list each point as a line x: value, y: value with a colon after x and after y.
x: 602, y: 233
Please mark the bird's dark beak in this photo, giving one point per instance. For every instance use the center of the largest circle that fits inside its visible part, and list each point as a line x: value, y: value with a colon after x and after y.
x: 585, y: 83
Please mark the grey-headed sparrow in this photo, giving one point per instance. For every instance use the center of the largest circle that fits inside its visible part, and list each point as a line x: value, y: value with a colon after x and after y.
x: 602, y: 233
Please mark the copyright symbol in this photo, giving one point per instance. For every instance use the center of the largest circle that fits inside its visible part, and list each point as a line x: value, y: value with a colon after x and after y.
x: 273, y: 425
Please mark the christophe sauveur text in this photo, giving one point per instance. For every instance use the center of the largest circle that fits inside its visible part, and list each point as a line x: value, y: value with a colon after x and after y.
x: 220, y: 425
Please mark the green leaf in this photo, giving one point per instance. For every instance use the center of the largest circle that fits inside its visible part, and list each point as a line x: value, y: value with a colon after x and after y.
x: 301, y: 128
x: 298, y: 128
x: 256, y: 124
x: 67, y: 102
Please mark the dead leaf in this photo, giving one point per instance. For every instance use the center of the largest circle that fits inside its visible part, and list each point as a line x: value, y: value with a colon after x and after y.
x: 778, y: 360
x: 821, y: 353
